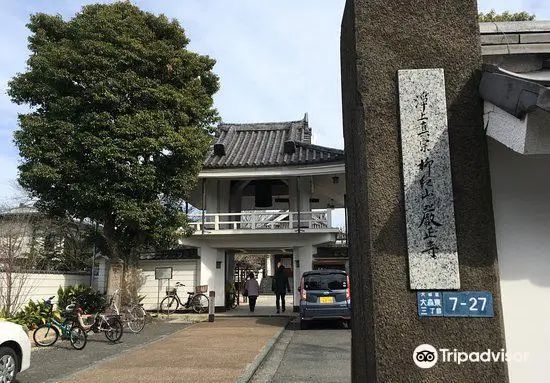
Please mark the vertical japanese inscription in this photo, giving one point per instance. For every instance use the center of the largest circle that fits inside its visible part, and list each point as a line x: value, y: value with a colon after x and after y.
x: 431, y: 234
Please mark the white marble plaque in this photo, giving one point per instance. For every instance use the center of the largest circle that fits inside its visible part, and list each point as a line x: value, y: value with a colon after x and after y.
x: 431, y: 233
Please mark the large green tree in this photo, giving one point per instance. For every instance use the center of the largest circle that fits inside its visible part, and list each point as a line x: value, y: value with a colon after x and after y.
x: 121, y: 119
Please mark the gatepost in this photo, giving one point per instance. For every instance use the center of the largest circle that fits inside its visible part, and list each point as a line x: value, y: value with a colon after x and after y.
x: 211, y: 305
x: 421, y: 233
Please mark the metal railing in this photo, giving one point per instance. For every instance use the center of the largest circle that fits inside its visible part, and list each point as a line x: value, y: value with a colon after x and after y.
x: 262, y: 220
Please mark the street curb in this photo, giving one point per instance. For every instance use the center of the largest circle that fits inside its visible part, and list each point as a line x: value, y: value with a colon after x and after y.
x: 252, y: 367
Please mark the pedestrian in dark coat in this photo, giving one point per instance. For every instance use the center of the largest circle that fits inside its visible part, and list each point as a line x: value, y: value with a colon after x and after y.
x: 280, y: 287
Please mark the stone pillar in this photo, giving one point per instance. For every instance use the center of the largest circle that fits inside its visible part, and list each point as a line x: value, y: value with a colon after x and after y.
x: 115, y: 278
x: 378, y: 39
x: 270, y: 265
x: 297, y: 270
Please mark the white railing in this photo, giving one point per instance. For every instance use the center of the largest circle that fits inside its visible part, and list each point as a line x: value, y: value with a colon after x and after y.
x: 262, y: 219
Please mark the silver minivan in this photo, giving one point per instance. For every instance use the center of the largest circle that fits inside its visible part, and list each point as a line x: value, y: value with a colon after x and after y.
x: 324, y: 295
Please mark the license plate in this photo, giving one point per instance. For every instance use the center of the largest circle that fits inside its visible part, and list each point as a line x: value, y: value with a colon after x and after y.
x: 325, y: 300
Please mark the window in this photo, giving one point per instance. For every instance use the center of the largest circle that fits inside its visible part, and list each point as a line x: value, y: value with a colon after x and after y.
x: 325, y: 282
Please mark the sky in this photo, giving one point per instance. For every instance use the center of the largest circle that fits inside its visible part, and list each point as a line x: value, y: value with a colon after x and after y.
x: 276, y: 60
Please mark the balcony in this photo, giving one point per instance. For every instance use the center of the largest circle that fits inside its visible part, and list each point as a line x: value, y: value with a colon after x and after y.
x: 261, y: 221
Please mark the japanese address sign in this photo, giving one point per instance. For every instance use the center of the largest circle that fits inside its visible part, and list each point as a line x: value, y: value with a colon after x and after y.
x: 428, y: 191
x: 455, y: 304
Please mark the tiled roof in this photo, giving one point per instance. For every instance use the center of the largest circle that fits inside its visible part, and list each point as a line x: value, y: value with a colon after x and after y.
x: 515, y: 37
x: 263, y: 145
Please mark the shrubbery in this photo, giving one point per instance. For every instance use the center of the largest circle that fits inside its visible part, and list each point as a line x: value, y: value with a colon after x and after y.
x: 83, y: 296
x: 34, y: 314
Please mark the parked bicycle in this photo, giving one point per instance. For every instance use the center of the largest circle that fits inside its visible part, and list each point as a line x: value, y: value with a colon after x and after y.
x: 231, y: 301
x: 109, y: 324
x: 198, y: 302
x: 133, y: 315
x: 47, y: 333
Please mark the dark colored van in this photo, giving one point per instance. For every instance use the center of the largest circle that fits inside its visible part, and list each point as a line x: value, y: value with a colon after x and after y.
x: 324, y: 294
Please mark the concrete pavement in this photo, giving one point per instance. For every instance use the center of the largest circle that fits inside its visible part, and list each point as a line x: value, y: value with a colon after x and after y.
x: 265, y: 306
x: 54, y: 363
x: 320, y: 354
x: 219, y: 351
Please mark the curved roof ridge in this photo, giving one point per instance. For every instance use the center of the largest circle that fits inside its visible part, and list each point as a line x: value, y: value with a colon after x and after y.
x: 259, y: 123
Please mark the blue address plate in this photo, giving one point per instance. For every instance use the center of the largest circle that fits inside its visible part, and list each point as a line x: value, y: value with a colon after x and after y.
x: 455, y: 304
x: 468, y: 304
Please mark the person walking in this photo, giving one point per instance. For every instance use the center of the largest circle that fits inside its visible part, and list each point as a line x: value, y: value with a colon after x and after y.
x: 280, y: 287
x: 253, y: 289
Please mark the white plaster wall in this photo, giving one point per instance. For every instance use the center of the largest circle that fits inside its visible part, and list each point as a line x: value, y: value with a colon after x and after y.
x: 270, y: 265
x: 305, y: 255
x: 529, y: 135
x: 209, y: 275
x: 42, y: 286
x: 264, y: 240
x: 183, y: 271
x: 537, y: 140
x: 521, y: 202
x: 504, y: 127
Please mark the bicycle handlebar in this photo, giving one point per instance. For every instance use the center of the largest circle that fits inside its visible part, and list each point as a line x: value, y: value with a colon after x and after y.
x: 49, y: 301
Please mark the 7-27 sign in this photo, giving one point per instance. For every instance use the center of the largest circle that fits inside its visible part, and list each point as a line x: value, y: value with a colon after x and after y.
x: 468, y: 304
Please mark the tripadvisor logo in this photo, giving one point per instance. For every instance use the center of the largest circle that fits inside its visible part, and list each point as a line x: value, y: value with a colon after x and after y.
x: 426, y: 356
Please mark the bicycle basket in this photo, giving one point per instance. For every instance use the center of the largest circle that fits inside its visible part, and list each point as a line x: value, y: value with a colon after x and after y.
x: 170, y: 291
x: 70, y: 309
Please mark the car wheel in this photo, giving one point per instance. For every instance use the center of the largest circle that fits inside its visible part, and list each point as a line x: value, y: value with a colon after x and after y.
x: 303, y: 325
x: 9, y: 364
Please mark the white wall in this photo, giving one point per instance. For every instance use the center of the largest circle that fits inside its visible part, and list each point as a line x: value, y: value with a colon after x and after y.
x: 209, y: 275
x: 270, y: 265
x: 42, y: 286
x: 526, y: 136
x: 303, y: 254
x: 183, y: 271
x: 521, y: 202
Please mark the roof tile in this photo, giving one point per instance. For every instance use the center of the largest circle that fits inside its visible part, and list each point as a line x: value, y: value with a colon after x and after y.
x: 262, y: 145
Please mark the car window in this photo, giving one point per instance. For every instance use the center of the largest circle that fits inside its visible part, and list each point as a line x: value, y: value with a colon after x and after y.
x: 325, y: 282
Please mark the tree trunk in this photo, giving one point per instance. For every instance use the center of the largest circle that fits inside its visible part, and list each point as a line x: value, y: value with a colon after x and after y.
x: 110, y: 238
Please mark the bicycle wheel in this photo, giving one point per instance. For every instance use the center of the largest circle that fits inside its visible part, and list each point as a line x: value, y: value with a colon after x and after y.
x: 78, y: 337
x: 140, y: 312
x: 114, y: 333
x: 234, y: 302
x: 135, y: 319
x: 45, y: 335
x: 168, y: 305
x: 200, y: 303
